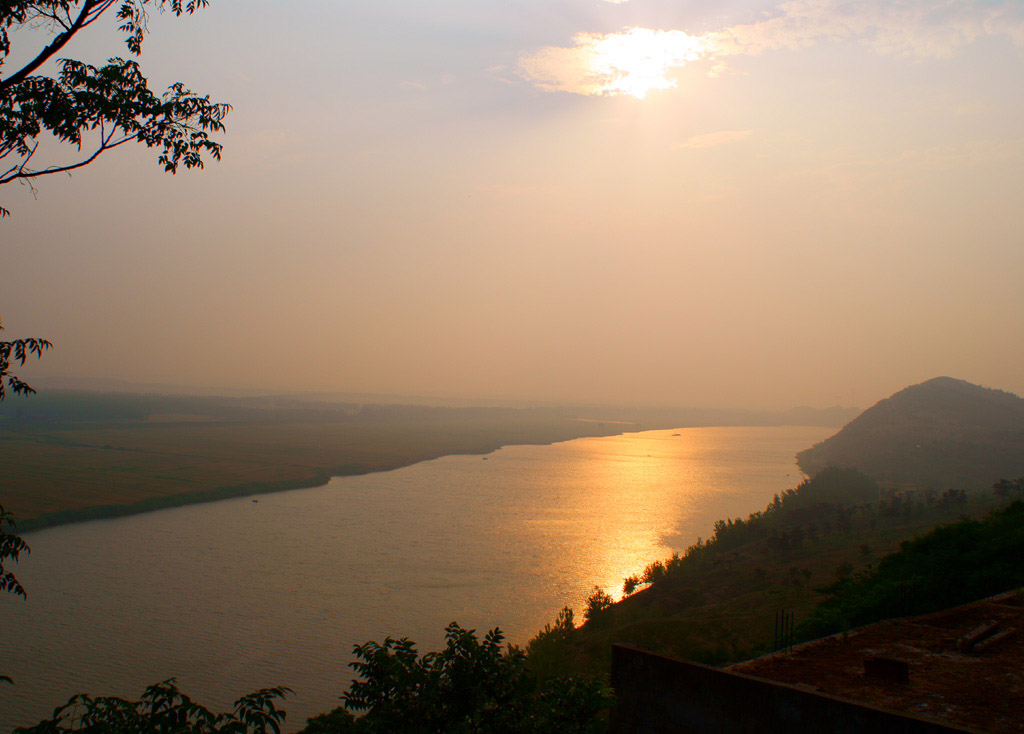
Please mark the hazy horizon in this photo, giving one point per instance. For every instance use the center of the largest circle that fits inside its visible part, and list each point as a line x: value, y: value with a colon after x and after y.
x: 101, y: 386
x: 743, y: 205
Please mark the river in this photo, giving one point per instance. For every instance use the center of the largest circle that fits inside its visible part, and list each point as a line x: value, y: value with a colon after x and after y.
x: 239, y: 594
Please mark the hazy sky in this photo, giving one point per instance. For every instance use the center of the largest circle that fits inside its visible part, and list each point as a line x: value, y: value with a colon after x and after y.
x: 731, y: 203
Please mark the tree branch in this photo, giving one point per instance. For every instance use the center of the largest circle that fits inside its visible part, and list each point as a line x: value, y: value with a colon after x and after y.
x: 58, y: 42
x: 21, y: 174
x: 98, y: 11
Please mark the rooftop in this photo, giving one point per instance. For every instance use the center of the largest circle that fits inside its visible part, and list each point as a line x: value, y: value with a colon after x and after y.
x: 966, y: 665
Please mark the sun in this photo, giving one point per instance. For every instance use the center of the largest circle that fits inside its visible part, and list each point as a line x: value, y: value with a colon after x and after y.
x: 637, y: 61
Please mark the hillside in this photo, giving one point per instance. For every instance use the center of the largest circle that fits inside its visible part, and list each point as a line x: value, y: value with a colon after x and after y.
x: 943, y: 433
x: 718, y: 602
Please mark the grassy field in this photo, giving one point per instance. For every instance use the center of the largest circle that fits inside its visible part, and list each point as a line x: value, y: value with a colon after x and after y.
x: 56, y: 473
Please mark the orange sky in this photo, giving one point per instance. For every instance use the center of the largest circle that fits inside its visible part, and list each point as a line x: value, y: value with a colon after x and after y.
x: 814, y: 202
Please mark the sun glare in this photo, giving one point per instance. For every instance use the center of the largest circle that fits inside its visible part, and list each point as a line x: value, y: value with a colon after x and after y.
x: 638, y: 60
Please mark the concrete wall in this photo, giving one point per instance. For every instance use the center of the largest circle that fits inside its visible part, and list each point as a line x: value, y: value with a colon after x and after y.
x: 658, y: 695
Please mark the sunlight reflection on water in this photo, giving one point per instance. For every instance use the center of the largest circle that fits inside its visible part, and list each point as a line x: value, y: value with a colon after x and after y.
x: 235, y: 595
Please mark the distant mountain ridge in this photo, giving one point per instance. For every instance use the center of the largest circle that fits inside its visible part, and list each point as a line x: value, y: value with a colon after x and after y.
x: 943, y: 433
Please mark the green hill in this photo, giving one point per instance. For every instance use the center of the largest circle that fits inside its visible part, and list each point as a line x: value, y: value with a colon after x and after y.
x: 718, y: 602
x: 940, y: 434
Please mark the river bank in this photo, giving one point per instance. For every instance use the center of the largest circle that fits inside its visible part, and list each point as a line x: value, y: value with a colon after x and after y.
x: 362, y: 454
x: 74, y: 457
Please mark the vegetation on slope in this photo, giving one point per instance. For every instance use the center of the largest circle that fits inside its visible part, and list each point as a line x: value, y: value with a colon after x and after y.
x: 951, y: 565
x: 717, y: 603
x: 472, y: 685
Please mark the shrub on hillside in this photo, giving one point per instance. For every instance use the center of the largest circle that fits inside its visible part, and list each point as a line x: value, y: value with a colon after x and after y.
x: 598, y: 602
x: 472, y: 685
x: 163, y: 709
x: 952, y: 565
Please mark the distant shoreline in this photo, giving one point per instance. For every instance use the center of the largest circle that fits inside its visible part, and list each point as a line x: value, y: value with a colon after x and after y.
x: 73, y: 457
x: 154, y: 504
x: 320, y: 478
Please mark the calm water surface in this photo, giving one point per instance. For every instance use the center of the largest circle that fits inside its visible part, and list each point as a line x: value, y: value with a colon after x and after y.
x: 236, y: 595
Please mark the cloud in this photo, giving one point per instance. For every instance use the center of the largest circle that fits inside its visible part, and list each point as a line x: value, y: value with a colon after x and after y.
x: 712, y: 140
x: 915, y: 28
x: 635, y: 61
x: 638, y: 60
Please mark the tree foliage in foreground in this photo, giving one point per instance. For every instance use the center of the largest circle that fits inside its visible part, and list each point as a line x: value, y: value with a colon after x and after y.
x: 472, y: 685
x: 163, y: 709
x: 88, y: 110
x: 11, y: 545
x: 16, y: 352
